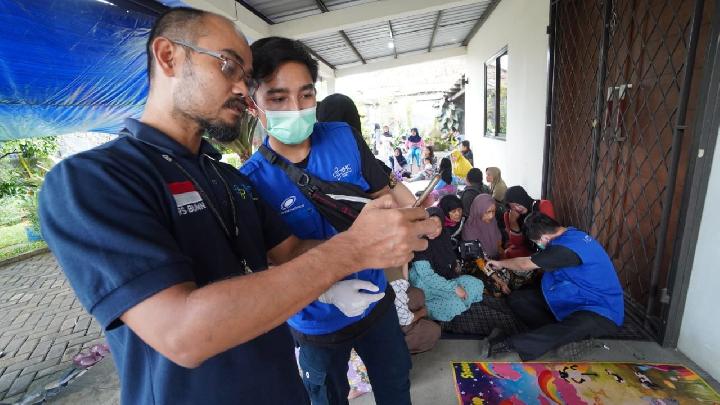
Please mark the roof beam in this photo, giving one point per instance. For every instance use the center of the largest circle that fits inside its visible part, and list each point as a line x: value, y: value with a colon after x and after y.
x: 392, y: 37
x: 432, y: 37
x: 360, y: 15
x: 321, y: 5
x: 401, y: 61
x: 318, y: 57
x: 480, y: 22
x: 350, y: 44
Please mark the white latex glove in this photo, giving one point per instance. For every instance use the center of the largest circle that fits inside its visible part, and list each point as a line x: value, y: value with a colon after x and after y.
x: 348, y: 298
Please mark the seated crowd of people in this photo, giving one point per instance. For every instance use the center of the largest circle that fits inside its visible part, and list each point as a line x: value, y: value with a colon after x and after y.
x: 500, y: 250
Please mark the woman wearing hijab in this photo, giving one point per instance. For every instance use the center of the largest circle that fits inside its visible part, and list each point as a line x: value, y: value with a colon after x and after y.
x: 448, y: 183
x: 481, y: 225
x: 447, y: 294
x: 520, y: 204
x: 460, y: 165
x: 498, y: 188
x: 414, y: 144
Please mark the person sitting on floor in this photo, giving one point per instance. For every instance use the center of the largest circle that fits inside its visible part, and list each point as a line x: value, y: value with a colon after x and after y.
x: 475, y: 187
x: 498, y: 188
x: 447, y: 184
x: 400, y: 164
x: 460, y: 165
x: 481, y: 225
x: 435, y: 270
x: 520, y: 205
x: 421, y: 334
x: 427, y: 172
x: 580, y: 294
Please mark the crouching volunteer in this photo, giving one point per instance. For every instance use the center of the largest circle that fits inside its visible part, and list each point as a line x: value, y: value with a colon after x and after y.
x: 580, y: 295
x: 300, y: 170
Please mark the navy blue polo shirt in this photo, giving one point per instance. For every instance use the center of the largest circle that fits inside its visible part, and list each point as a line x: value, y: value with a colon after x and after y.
x: 125, y: 222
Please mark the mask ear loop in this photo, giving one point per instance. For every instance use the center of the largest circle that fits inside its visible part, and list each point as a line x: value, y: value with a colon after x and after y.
x: 253, y: 109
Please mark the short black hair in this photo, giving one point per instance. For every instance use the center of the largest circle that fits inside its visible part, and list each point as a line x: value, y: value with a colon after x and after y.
x: 475, y: 176
x: 271, y: 52
x: 538, y: 224
x: 465, y: 144
x: 179, y: 23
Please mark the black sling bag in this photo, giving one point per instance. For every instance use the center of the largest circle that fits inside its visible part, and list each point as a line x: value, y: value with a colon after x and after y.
x: 338, y: 202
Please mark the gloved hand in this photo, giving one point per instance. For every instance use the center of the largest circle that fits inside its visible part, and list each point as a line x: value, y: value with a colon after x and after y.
x: 346, y: 296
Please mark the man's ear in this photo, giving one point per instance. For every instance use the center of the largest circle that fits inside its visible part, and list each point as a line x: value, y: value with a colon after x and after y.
x: 165, y: 56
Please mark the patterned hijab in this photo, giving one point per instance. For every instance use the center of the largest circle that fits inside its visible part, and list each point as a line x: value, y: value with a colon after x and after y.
x: 475, y: 229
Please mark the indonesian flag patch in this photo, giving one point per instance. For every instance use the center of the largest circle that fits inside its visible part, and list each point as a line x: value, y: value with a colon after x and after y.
x: 187, y: 198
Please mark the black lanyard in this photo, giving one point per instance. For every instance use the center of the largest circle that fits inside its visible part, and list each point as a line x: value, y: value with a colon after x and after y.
x: 235, y: 230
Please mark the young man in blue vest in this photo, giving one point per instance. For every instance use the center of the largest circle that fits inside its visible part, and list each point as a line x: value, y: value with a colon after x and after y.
x: 285, y: 76
x: 169, y: 249
x: 580, y: 293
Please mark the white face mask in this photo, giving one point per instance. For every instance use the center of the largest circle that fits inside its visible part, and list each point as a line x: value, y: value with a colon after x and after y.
x: 291, y: 127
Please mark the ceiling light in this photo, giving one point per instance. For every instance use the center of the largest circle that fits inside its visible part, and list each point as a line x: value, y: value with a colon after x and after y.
x: 105, y: 2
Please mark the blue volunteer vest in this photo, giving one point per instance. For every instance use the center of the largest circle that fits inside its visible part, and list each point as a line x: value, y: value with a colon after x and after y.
x: 591, y: 286
x: 334, y: 156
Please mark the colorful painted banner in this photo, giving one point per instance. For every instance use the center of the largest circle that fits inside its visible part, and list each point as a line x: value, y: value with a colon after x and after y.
x: 579, y: 383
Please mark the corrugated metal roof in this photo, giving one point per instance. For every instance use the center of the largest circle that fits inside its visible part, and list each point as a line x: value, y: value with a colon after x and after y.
x: 410, y: 35
x: 332, y: 48
x: 279, y: 11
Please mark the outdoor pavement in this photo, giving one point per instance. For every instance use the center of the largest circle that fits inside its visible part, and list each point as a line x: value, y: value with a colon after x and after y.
x: 42, y: 326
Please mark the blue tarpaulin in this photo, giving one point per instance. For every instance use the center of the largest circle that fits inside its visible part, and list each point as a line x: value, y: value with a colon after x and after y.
x: 70, y: 66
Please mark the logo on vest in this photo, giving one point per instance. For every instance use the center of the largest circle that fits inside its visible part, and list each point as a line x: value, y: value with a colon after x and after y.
x: 287, y: 206
x: 341, y: 172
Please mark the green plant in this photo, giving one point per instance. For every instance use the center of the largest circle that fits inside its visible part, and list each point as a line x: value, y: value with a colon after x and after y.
x: 243, y: 145
x: 30, y: 207
x: 451, y: 117
x: 24, y: 164
x: 11, y: 210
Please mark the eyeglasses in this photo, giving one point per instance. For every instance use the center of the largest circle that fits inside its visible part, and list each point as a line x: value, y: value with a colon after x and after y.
x: 231, y: 68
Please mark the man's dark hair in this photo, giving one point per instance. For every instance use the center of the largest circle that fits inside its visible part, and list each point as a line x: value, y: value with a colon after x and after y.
x: 475, y: 176
x: 465, y: 144
x: 538, y: 224
x: 180, y: 23
x: 271, y: 52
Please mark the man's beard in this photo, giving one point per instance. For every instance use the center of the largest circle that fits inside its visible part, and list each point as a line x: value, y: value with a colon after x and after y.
x: 220, y: 131
x: 213, y: 127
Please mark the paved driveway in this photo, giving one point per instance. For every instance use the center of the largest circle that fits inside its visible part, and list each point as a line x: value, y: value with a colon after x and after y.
x: 42, y: 325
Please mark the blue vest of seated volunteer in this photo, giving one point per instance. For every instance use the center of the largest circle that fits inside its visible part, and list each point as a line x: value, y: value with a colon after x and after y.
x: 591, y: 286
x: 334, y: 156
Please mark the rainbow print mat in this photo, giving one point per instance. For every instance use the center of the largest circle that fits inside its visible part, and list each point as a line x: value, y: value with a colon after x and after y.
x: 579, y: 383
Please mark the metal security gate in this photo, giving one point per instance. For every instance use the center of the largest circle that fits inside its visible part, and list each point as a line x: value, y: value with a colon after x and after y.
x: 624, y: 80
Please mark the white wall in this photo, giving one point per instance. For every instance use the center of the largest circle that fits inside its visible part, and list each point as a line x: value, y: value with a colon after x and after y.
x: 700, y: 331
x: 521, y: 25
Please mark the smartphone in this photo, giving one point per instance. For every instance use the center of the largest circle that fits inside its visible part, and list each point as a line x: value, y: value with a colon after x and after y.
x: 435, y: 180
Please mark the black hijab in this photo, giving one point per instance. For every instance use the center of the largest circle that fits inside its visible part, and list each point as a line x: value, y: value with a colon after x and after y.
x: 415, y: 138
x: 446, y: 170
x: 400, y: 158
x: 338, y: 107
x: 440, y: 252
x: 518, y: 195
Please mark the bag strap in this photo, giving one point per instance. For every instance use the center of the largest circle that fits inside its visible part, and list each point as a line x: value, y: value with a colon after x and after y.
x: 310, y: 186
